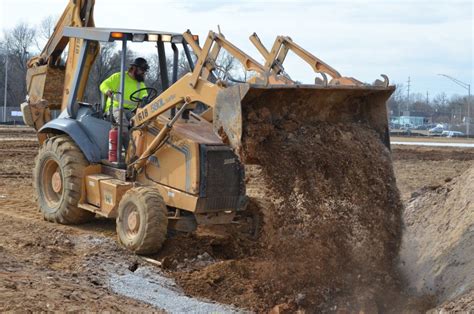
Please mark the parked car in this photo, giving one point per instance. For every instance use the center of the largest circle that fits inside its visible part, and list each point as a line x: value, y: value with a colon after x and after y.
x: 449, y: 133
x: 455, y: 134
x: 436, y: 130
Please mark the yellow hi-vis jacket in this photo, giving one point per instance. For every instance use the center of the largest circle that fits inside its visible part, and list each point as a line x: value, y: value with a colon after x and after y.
x: 113, y: 83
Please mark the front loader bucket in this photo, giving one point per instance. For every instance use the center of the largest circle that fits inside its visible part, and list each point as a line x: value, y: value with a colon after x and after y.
x: 241, y: 110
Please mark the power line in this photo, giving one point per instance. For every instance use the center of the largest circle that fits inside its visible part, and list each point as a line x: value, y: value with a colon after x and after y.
x: 6, y: 89
x: 468, y: 87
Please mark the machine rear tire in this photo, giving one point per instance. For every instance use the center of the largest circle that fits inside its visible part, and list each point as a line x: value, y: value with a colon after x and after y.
x: 142, y: 220
x: 57, y: 178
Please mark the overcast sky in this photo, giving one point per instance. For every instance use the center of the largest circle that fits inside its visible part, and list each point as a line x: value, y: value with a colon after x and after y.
x: 361, y: 39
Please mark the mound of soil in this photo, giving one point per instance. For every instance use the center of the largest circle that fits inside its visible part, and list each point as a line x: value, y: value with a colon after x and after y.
x: 438, y: 240
x: 331, y: 221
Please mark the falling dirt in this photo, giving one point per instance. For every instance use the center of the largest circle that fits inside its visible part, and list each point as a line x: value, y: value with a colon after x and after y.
x: 331, y: 221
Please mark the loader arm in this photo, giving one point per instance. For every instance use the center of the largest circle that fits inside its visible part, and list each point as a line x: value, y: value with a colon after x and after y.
x: 206, y: 63
x: 275, y: 58
x: 177, y: 94
x: 207, y: 57
x: 210, y: 66
x: 48, y: 80
x: 195, y: 86
x: 264, y: 75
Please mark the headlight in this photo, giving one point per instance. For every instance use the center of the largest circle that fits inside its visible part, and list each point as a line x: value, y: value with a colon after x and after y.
x: 138, y: 37
x: 166, y: 38
x: 152, y: 37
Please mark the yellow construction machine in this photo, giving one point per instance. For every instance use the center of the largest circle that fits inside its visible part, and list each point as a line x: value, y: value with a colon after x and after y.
x: 181, y: 169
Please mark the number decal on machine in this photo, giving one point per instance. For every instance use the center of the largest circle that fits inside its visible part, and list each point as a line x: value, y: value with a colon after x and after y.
x: 108, y: 199
x: 157, y: 104
x: 143, y: 115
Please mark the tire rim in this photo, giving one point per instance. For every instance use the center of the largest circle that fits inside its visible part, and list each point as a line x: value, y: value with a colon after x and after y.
x: 52, y: 183
x: 131, y: 220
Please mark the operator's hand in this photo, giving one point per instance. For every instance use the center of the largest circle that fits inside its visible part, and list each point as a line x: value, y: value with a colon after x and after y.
x: 109, y: 93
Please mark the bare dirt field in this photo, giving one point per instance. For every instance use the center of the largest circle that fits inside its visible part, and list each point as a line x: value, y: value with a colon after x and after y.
x: 52, y: 267
x: 416, y: 167
x: 48, y: 267
x: 433, y: 139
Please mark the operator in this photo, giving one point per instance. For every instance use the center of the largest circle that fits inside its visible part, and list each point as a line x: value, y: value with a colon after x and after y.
x: 134, y: 80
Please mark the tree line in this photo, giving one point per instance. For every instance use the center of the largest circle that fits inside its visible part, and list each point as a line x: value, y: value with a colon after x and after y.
x: 437, y: 109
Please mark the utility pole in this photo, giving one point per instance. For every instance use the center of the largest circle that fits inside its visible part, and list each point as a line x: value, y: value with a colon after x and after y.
x: 427, y: 98
x: 6, y: 87
x: 408, y: 97
x: 468, y: 87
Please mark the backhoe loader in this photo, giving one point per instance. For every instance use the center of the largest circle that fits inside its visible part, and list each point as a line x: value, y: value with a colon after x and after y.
x: 181, y: 169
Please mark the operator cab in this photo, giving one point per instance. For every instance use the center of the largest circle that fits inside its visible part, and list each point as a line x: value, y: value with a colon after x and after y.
x: 93, y: 34
x: 99, y: 122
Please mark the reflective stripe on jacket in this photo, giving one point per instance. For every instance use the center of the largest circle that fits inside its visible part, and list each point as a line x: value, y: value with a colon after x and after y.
x: 113, y: 83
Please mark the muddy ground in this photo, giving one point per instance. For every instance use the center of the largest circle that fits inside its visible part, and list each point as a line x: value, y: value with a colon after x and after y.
x: 45, y: 266
x: 52, y: 267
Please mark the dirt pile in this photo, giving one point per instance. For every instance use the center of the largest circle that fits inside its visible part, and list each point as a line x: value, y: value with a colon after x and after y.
x: 331, y: 220
x: 438, y: 240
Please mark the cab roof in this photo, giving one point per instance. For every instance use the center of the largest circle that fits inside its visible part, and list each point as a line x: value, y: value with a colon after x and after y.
x: 114, y: 34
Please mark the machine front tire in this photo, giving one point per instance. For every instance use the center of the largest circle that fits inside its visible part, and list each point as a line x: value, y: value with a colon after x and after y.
x: 142, y: 220
x: 57, y: 178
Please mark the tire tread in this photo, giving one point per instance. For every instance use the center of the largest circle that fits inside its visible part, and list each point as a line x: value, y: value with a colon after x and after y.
x: 72, y: 163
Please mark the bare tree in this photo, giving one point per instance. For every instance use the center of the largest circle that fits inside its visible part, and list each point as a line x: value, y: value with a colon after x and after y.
x: 106, y: 63
x: 44, y: 30
x: 226, y: 64
x: 18, y: 46
x: 152, y: 78
x: 19, y: 43
x: 183, y: 64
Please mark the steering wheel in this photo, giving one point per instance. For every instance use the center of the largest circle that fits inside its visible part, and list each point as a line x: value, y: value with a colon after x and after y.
x: 152, y: 93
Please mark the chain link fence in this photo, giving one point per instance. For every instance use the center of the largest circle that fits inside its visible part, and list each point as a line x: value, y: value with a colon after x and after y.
x: 11, y: 115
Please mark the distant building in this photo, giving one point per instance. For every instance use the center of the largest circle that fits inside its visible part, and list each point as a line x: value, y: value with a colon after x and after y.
x: 409, y: 120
